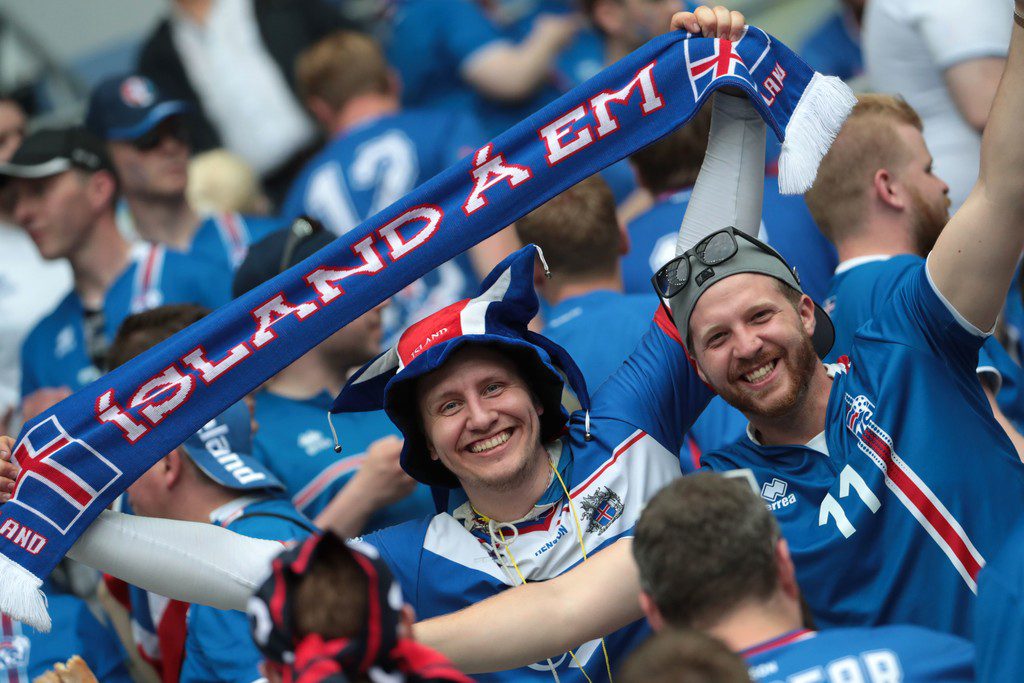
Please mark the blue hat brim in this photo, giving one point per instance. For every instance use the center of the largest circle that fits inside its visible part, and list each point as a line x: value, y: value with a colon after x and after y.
x: 268, y: 482
x: 153, y: 118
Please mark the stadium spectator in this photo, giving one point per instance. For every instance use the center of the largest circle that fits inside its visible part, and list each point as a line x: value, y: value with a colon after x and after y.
x: 377, y: 153
x: 877, y: 199
x: 589, y: 315
x: 29, y: 285
x: 945, y: 58
x: 220, y: 181
x: 363, y: 488
x: 711, y: 557
x: 833, y: 47
x: 233, y: 60
x: 65, y: 190
x: 149, y: 145
x: 211, y: 478
x: 668, y: 168
x: 671, y: 656
x: 330, y: 611
x: 999, y: 615
x: 472, y: 64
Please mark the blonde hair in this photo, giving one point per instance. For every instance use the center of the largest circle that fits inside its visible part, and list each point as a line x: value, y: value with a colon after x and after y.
x: 341, y: 66
x: 868, y: 141
x: 220, y: 181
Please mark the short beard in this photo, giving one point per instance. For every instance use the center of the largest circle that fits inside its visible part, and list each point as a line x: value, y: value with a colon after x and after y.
x: 928, y: 223
x: 804, y: 362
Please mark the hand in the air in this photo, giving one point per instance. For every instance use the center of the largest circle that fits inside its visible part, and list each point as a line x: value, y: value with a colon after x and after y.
x: 8, y: 470
x: 717, y: 22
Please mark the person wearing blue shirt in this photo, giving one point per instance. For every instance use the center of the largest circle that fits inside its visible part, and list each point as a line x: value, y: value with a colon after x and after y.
x: 668, y: 169
x: 711, y: 557
x: 361, y: 488
x: 999, y: 614
x: 883, y: 211
x: 377, y: 153
x: 64, y: 190
x: 473, y: 66
x: 147, y: 138
x: 26, y: 654
x: 833, y: 47
x: 589, y: 315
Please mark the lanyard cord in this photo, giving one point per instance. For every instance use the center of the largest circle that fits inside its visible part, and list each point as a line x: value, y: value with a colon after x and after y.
x: 493, y: 526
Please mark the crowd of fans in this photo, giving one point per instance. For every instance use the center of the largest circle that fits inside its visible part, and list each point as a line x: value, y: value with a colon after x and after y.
x: 255, y: 132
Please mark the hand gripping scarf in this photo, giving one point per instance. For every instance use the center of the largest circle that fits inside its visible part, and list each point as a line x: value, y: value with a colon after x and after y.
x: 376, y: 653
x: 81, y: 454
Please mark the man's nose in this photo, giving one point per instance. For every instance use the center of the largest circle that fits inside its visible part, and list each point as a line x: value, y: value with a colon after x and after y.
x: 747, y: 343
x: 481, y: 416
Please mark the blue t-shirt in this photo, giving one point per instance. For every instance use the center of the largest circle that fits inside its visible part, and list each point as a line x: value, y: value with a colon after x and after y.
x: 25, y: 653
x: 601, y: 329
x: 372, y: 165
x: 920, y: 483
x: 224, y: 238
x: 294, y: 442
x: 786, y: 221
x: 833, y: 47
x: 452, y: 560
x: 54, y: 353
x: 861, y: 287
x: 870, y: 655
x: 219, y: 645
x: 999, y: 614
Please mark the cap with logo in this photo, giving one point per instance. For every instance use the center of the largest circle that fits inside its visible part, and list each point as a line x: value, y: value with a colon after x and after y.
x: 498, y: 318
x: 222, y: 449
x: 724, y: 253
x: 129, y: 106
x: 48, y: 152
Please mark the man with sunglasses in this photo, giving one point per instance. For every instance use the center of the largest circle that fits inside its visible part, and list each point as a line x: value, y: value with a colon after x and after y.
x: 149, y: 145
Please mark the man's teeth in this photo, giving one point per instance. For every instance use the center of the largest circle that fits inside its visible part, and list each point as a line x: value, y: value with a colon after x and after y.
x: 760, y: 373
x: 493, y: 442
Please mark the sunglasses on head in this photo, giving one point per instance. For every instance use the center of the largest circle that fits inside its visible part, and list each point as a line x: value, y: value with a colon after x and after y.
x: 155, y: 136
x: 716, y: 248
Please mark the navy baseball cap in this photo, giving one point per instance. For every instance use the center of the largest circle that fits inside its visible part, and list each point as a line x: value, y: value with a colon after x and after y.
x: 222, y: 450
x: 129, y: 106
x: 48, y: 152
x: 279, y: 251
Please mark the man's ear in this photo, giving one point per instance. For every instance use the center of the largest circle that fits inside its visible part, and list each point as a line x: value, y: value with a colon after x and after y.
x: 806, y: 310
x: 888, y: 190
x: 101, y: 188
x: 173, y: 467
x: 321, y: 111
x: 651, y: 611
x: 786, y: 570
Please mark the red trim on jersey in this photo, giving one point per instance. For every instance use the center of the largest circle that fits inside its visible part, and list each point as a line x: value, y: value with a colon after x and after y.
x: 8, y: 634
x: 639, y: 434
x: 664, y: 320
x: 784, y: 639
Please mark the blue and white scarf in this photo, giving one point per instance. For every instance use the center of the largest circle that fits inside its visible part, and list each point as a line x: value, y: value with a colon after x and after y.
x: 81, y: 454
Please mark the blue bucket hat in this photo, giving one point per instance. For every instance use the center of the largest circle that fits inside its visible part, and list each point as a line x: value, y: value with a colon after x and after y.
x: 498, y: 318
x: 129, y: 106
x: 222, y: 450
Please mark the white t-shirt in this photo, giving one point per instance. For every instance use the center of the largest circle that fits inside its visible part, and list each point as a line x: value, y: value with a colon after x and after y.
x: 29, y: 288
x: 908, y: 44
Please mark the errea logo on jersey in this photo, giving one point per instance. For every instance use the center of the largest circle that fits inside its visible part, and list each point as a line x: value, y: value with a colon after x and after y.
x: 774, y: 494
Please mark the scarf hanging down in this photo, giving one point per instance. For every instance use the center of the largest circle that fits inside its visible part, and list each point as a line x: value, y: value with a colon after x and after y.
x: 81, y: 454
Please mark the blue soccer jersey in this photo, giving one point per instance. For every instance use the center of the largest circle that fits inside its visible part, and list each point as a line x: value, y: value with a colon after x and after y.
x: 25, y: 653
x: 892, y: 511
x: 833, y: 48
x: 295, y: 443
x: 787, y: 225
x: 867, y: 655
x: 369, y: 167
x: 224, y: 238
x: 999, y: 614
x: 455, y: 559
x: 861, y: 286
x: 55, y: 353
x: 219, y: 645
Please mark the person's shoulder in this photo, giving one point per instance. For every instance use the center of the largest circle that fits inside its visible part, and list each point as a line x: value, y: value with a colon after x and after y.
x: 64, y: 312
x: 273, y: 518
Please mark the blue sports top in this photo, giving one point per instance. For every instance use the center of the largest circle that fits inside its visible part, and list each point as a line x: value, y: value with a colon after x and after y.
x: 893, y: 510
x: 999, y: 615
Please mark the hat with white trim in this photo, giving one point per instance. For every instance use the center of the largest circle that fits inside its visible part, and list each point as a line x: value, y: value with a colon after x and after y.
x: 48, y: 152
x: 498, y: 318
x: 222, y: 450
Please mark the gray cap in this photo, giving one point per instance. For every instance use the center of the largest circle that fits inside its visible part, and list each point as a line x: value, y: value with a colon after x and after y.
x: 752, y: 256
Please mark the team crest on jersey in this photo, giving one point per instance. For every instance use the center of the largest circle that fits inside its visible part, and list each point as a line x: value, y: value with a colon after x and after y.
x: 600, y: 509
x: 14, y: 653
x: 859, y: 413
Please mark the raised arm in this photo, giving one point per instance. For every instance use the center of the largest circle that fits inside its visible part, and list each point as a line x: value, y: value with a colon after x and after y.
x: 540, y: 620
x: 974, y: 259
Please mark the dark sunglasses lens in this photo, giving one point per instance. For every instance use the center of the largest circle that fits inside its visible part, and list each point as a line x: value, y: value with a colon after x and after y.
x: 152, y: 139
x: 718, y: 248
x: 148, y: 141
x: 672, y: 277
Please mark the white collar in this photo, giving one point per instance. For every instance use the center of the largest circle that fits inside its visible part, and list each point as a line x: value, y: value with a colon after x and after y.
x: 228, y: 511
x: 851, y: 263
